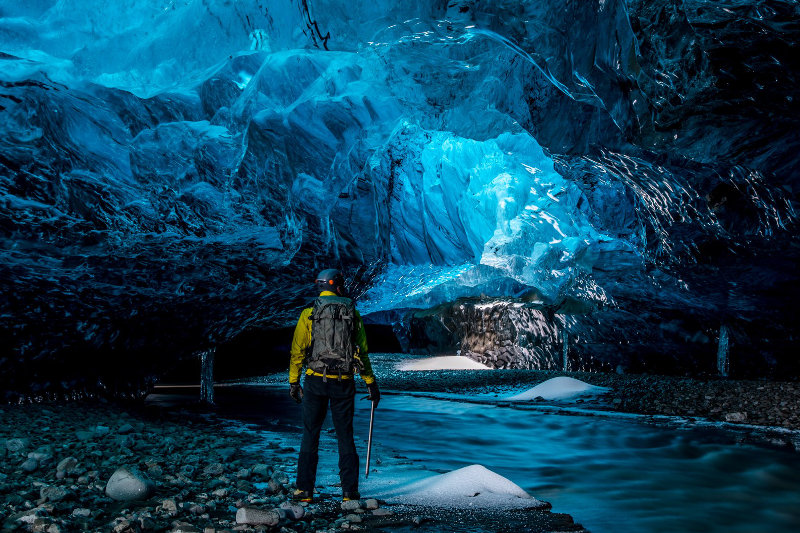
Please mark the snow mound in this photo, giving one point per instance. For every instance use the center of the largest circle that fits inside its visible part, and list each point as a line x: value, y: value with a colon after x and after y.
x: 447, y: 362
x: 473, y: 486
x: 560, y: 388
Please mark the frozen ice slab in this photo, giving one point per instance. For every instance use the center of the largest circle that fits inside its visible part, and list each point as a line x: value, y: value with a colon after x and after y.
x: 447, y: 362
x: 560, y: 388
x: 473, y: 486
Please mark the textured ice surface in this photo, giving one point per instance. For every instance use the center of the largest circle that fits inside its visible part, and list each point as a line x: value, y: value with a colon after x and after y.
x: 560, y: 388
x: 446, y: 362
x: 172, y: 174
x: 473, y: 486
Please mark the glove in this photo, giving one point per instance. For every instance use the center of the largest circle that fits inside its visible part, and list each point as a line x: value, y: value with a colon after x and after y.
x: 374, y: 393
x: 296, y: 392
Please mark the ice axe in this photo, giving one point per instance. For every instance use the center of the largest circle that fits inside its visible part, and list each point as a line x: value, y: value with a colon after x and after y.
x: 369, y: 439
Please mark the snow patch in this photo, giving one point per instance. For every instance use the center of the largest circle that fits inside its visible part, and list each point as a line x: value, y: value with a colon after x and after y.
x: 447, y: 362
x: 473, y: 486
x: 560, y: 388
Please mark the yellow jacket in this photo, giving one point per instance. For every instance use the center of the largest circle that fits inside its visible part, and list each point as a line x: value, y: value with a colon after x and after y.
x: 302, y: 340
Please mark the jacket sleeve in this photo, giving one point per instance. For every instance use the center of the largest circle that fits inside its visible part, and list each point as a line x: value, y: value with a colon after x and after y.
x: 300, y: 343
x: 361, y: 342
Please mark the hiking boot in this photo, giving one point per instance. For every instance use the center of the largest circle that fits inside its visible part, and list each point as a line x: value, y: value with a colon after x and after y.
x: 303, y: 496
x: 347, y: 496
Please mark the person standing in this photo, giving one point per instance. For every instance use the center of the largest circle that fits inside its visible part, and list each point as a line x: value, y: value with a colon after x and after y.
x: 331, y: 342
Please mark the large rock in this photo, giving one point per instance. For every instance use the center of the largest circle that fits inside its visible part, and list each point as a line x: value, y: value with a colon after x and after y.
x: 253, y: 516
x: 127, y: 484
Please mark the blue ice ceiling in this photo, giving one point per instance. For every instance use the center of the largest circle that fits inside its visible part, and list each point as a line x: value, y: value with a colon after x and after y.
x: 175, y: 172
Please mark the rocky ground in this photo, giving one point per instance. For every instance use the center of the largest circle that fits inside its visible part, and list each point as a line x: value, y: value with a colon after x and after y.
x: 761, y: 403
x: 102, y: 467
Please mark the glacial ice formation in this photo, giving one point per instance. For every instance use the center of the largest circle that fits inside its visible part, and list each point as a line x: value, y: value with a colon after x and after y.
x: 559, y: 388
x: 591, y: 185
x: 444, y: 362
x: 472, y: 487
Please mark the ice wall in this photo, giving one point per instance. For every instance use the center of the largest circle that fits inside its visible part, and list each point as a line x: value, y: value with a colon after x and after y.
x: 174, y: 172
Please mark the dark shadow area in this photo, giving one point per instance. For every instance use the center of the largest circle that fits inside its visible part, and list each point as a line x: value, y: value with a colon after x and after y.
x: 261, y: 352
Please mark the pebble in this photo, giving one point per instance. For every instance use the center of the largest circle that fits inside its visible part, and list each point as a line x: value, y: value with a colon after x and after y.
x: 67, y: 465
x: 293, y: 511
x: 220, y: 493
x: 30, y: 465
x: 168, y: 506
x: 84, y: 435
x: 17, y: 445
x: 351, y: 505
x: 214, y: 469
x: 261, y: 470
x: 371, y: 504
x: 736, y: 417
x: 184, y: 527
x: 53, y: 493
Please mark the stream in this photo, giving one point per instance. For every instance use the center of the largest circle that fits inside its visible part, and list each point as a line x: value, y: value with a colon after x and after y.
x: 613, y: 473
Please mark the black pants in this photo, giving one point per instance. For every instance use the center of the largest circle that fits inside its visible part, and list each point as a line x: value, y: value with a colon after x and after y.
x: 317, y: 395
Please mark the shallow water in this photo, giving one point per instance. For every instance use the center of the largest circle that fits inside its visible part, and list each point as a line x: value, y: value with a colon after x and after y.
x: 611, y: 473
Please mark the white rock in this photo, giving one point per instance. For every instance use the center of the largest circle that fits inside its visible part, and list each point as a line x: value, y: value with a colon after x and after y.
x: 81, y: 512
x: 253, y: 516
x: 128, y: 484
x: 353, y: 518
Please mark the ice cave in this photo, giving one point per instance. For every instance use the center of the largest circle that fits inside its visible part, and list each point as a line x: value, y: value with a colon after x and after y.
x: 604, y: 187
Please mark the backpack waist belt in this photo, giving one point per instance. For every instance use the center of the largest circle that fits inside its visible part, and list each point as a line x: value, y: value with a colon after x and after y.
x: 310, y: 372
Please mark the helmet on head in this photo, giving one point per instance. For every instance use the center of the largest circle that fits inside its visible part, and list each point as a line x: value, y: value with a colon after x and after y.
x: 330, y: 280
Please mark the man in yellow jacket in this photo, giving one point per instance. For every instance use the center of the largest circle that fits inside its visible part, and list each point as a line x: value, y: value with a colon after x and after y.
x: 330, y: 341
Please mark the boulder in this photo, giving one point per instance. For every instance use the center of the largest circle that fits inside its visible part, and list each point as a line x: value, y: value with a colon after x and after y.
x: 127, y: 484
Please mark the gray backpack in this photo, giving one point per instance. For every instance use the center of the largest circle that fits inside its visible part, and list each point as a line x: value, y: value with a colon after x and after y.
x: 332, y: 335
